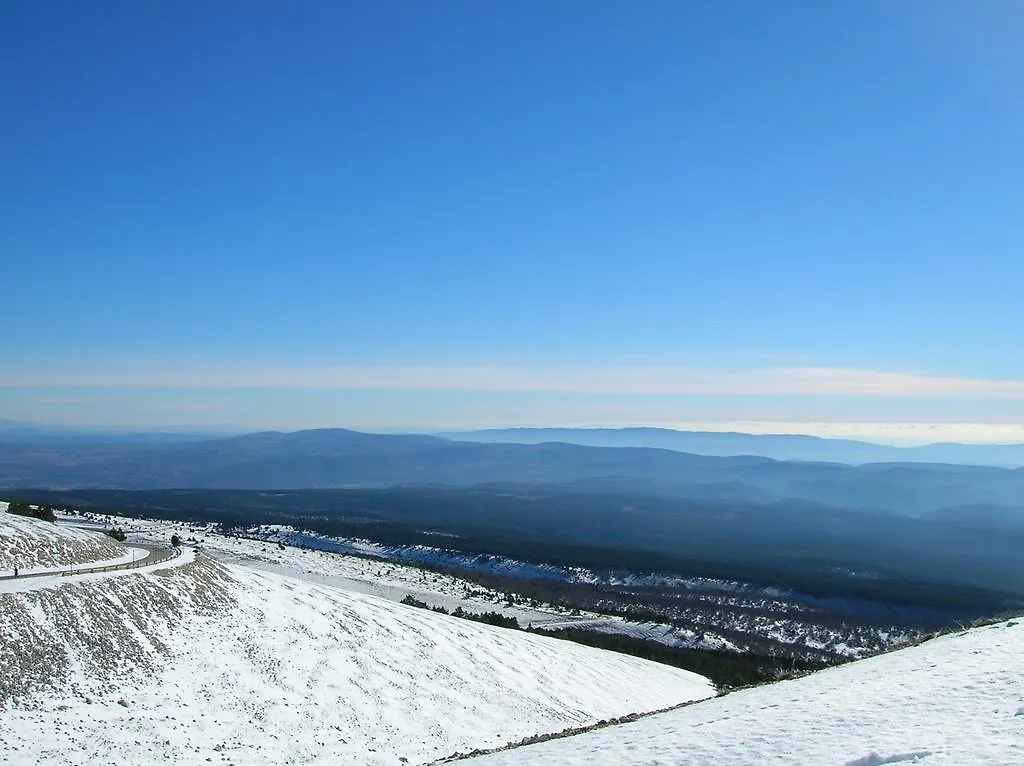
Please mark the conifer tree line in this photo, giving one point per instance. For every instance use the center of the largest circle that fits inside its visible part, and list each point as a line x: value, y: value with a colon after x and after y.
x: 44, y: 512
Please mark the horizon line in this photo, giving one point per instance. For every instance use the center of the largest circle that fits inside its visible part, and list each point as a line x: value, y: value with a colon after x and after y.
x: 896, y: 434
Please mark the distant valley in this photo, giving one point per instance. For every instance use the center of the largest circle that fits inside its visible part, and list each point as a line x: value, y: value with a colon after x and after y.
x: 742, y: 568
x: 927, y: 534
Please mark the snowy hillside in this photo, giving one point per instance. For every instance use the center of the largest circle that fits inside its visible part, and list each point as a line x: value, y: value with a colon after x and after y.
x: 720, y: 614
x: 387, y: 579
x: 31, y: 544
x: 202, y: 661
x: 952, y: 701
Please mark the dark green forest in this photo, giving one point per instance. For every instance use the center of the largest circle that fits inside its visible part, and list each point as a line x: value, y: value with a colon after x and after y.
x: 891, y: 559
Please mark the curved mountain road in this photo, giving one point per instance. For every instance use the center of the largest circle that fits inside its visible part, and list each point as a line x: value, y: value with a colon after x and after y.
x: 156, y: 554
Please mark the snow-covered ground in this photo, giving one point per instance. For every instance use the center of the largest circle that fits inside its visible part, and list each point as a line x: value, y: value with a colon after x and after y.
x: 287, y: 655
x: 714, y: 614
x: 386, y: 579
x: 85, y: 573
x: 952, y: 701
x: 38, y: 546
x: 198, y: 661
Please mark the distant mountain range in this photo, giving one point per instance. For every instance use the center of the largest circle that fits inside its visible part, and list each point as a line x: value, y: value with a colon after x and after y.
x: 714, y: 443
x: 338, y: 458
x: 779, y: 447
x: 40, y: 433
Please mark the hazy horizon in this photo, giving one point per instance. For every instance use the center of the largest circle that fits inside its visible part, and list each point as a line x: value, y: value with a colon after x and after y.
x: 893, y: 434
x: 464, y: 215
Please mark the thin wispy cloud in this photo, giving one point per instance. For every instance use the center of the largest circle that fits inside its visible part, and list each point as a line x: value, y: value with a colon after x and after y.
x: 626, y: 380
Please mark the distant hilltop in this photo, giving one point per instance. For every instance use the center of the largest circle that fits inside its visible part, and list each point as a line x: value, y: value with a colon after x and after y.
x: 339, y: 458
x: 776, y: 446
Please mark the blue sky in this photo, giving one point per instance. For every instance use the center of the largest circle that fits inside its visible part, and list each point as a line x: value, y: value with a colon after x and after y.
x: 408, y: 214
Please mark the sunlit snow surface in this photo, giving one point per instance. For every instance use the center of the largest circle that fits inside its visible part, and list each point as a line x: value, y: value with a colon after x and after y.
x: 956, y: 700
x: 206, y: 663
x: 38, y: 546
x: 312, y: 668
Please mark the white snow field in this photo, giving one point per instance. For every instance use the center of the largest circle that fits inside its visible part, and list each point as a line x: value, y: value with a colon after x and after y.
x: 956, y: 700
x: 290, y: 658
x: 200, y: 662
x: 387, y: 579
x: 39, y: 546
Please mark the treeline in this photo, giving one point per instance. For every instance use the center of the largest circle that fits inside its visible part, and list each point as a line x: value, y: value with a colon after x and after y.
x: 730, y: 623
x: 415, y: 515
x: 33, y: 510
x: 490, y: 618
x: 727, y: 670
x: 475, y: 520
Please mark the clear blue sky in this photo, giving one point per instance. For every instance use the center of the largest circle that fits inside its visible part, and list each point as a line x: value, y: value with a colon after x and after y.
x: 429, y: 213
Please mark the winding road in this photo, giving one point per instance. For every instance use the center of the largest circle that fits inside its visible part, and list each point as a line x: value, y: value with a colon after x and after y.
x: 156, y: 554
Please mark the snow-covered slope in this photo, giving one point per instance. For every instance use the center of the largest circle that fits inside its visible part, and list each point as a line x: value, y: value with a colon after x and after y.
x: 387, y: 579
x: 952, y: 701
x: 34, y: 545
x: 205, y: 662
